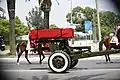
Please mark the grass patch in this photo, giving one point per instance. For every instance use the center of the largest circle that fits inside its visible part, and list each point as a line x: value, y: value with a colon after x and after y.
x: 7, y: 56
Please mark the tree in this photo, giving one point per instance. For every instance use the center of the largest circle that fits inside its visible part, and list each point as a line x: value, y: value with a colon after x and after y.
x: 20, y: 28
x: 45, y: 6
x: 4, y: 28
x: 108, y: 20
x: 53, y: 26
x: 35, y: 18
x: 11, y: 12
x: 80, y: 14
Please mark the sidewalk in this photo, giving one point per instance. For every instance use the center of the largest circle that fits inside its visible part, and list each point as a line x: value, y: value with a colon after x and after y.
x: 94, y: 47
x: 4, y: 52
x: 32, y: 58
x: 8, y: 51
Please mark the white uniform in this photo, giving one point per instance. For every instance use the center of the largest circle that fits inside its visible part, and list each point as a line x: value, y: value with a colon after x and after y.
x: 118, y: 27
x: 114, y: 38
x: 28, y: 44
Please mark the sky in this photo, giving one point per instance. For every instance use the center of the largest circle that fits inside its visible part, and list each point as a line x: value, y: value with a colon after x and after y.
x: 58, y: 12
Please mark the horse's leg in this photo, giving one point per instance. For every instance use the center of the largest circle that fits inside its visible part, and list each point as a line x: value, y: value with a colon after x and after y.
x: 26, y: 56
x: 109, y: 54
x: 39, y: 53
x: 101, y: 48
x: 19, y: 56
x: 106, y: 57
x: 43, y: 56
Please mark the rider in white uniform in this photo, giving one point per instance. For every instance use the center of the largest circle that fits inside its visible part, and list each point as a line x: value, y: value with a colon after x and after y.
x: 28, y: 41
x: 115, y: 39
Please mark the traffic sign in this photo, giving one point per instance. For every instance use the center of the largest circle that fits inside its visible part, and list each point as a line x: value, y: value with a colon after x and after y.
x: 88, y: 26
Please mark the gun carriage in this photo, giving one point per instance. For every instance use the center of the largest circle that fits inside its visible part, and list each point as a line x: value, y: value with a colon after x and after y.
x: 64, y: 57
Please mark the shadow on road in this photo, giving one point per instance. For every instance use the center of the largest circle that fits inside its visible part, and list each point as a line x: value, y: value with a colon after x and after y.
x: 39, y: 69
x: 108, y: 63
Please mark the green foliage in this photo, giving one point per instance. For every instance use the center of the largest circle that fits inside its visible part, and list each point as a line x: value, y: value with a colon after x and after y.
x: 108, y: 20
x: 35, y: 18
x: 52, y: 26
x: 4, y: 25
x: 20, y: 28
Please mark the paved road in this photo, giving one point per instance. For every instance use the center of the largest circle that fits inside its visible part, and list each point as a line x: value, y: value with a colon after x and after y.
x: 94, y: 68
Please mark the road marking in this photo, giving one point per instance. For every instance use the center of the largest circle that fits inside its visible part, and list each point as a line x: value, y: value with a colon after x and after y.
x: 68, y: 70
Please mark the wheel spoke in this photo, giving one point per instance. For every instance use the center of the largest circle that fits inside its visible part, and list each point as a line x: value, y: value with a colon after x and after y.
x: 58, y: 62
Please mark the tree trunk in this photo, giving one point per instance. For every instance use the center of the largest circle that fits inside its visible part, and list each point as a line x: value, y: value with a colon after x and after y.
x: 12, y: 36
x: 11, y: 11
x: 46, y: 18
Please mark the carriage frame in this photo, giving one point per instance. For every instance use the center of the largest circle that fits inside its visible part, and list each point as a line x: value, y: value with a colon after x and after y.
x: 64, y: 57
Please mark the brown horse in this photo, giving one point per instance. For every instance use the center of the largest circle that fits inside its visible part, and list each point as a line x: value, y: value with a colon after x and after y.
x: 21, y: 47
x: 108, y: 45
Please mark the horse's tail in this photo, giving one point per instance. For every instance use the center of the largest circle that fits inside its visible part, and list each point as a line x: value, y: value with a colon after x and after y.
x: 17, y: 48
x: 101, y: 45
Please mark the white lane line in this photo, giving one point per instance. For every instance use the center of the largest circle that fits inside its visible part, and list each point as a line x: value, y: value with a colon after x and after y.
x: 69, y: 70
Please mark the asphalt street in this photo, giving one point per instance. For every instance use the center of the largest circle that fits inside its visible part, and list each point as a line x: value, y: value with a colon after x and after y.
x: 93, y: 68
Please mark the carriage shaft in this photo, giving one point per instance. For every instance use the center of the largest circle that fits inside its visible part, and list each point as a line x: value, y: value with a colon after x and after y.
x: 78, y: 55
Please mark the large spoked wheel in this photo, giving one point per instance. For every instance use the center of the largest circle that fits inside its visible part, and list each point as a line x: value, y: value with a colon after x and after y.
x: 59, y: 61
x: 73, y: 63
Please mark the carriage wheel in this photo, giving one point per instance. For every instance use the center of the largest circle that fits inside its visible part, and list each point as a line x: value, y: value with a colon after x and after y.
x: 73, y: 62
x: 59, y: 61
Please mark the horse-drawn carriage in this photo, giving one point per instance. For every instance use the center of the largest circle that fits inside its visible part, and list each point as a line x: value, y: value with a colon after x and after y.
x: 64, y: 57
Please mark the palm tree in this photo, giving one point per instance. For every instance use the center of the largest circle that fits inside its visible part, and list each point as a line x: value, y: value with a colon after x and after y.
x: 11, y: 11
x: 45, y: 6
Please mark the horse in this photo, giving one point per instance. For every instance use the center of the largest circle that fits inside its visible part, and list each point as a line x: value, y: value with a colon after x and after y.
x: 108, y: 45
x: 21, y: 47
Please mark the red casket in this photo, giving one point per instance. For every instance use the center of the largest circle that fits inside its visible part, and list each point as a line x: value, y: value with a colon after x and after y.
x: 52, y: 33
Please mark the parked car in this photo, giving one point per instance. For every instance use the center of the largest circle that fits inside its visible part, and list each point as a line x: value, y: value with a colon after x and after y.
x: 2, y: 44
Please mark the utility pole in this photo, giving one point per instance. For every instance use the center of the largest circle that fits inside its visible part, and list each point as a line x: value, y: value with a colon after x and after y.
x: 94, y: 27
x: 98, y: 20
